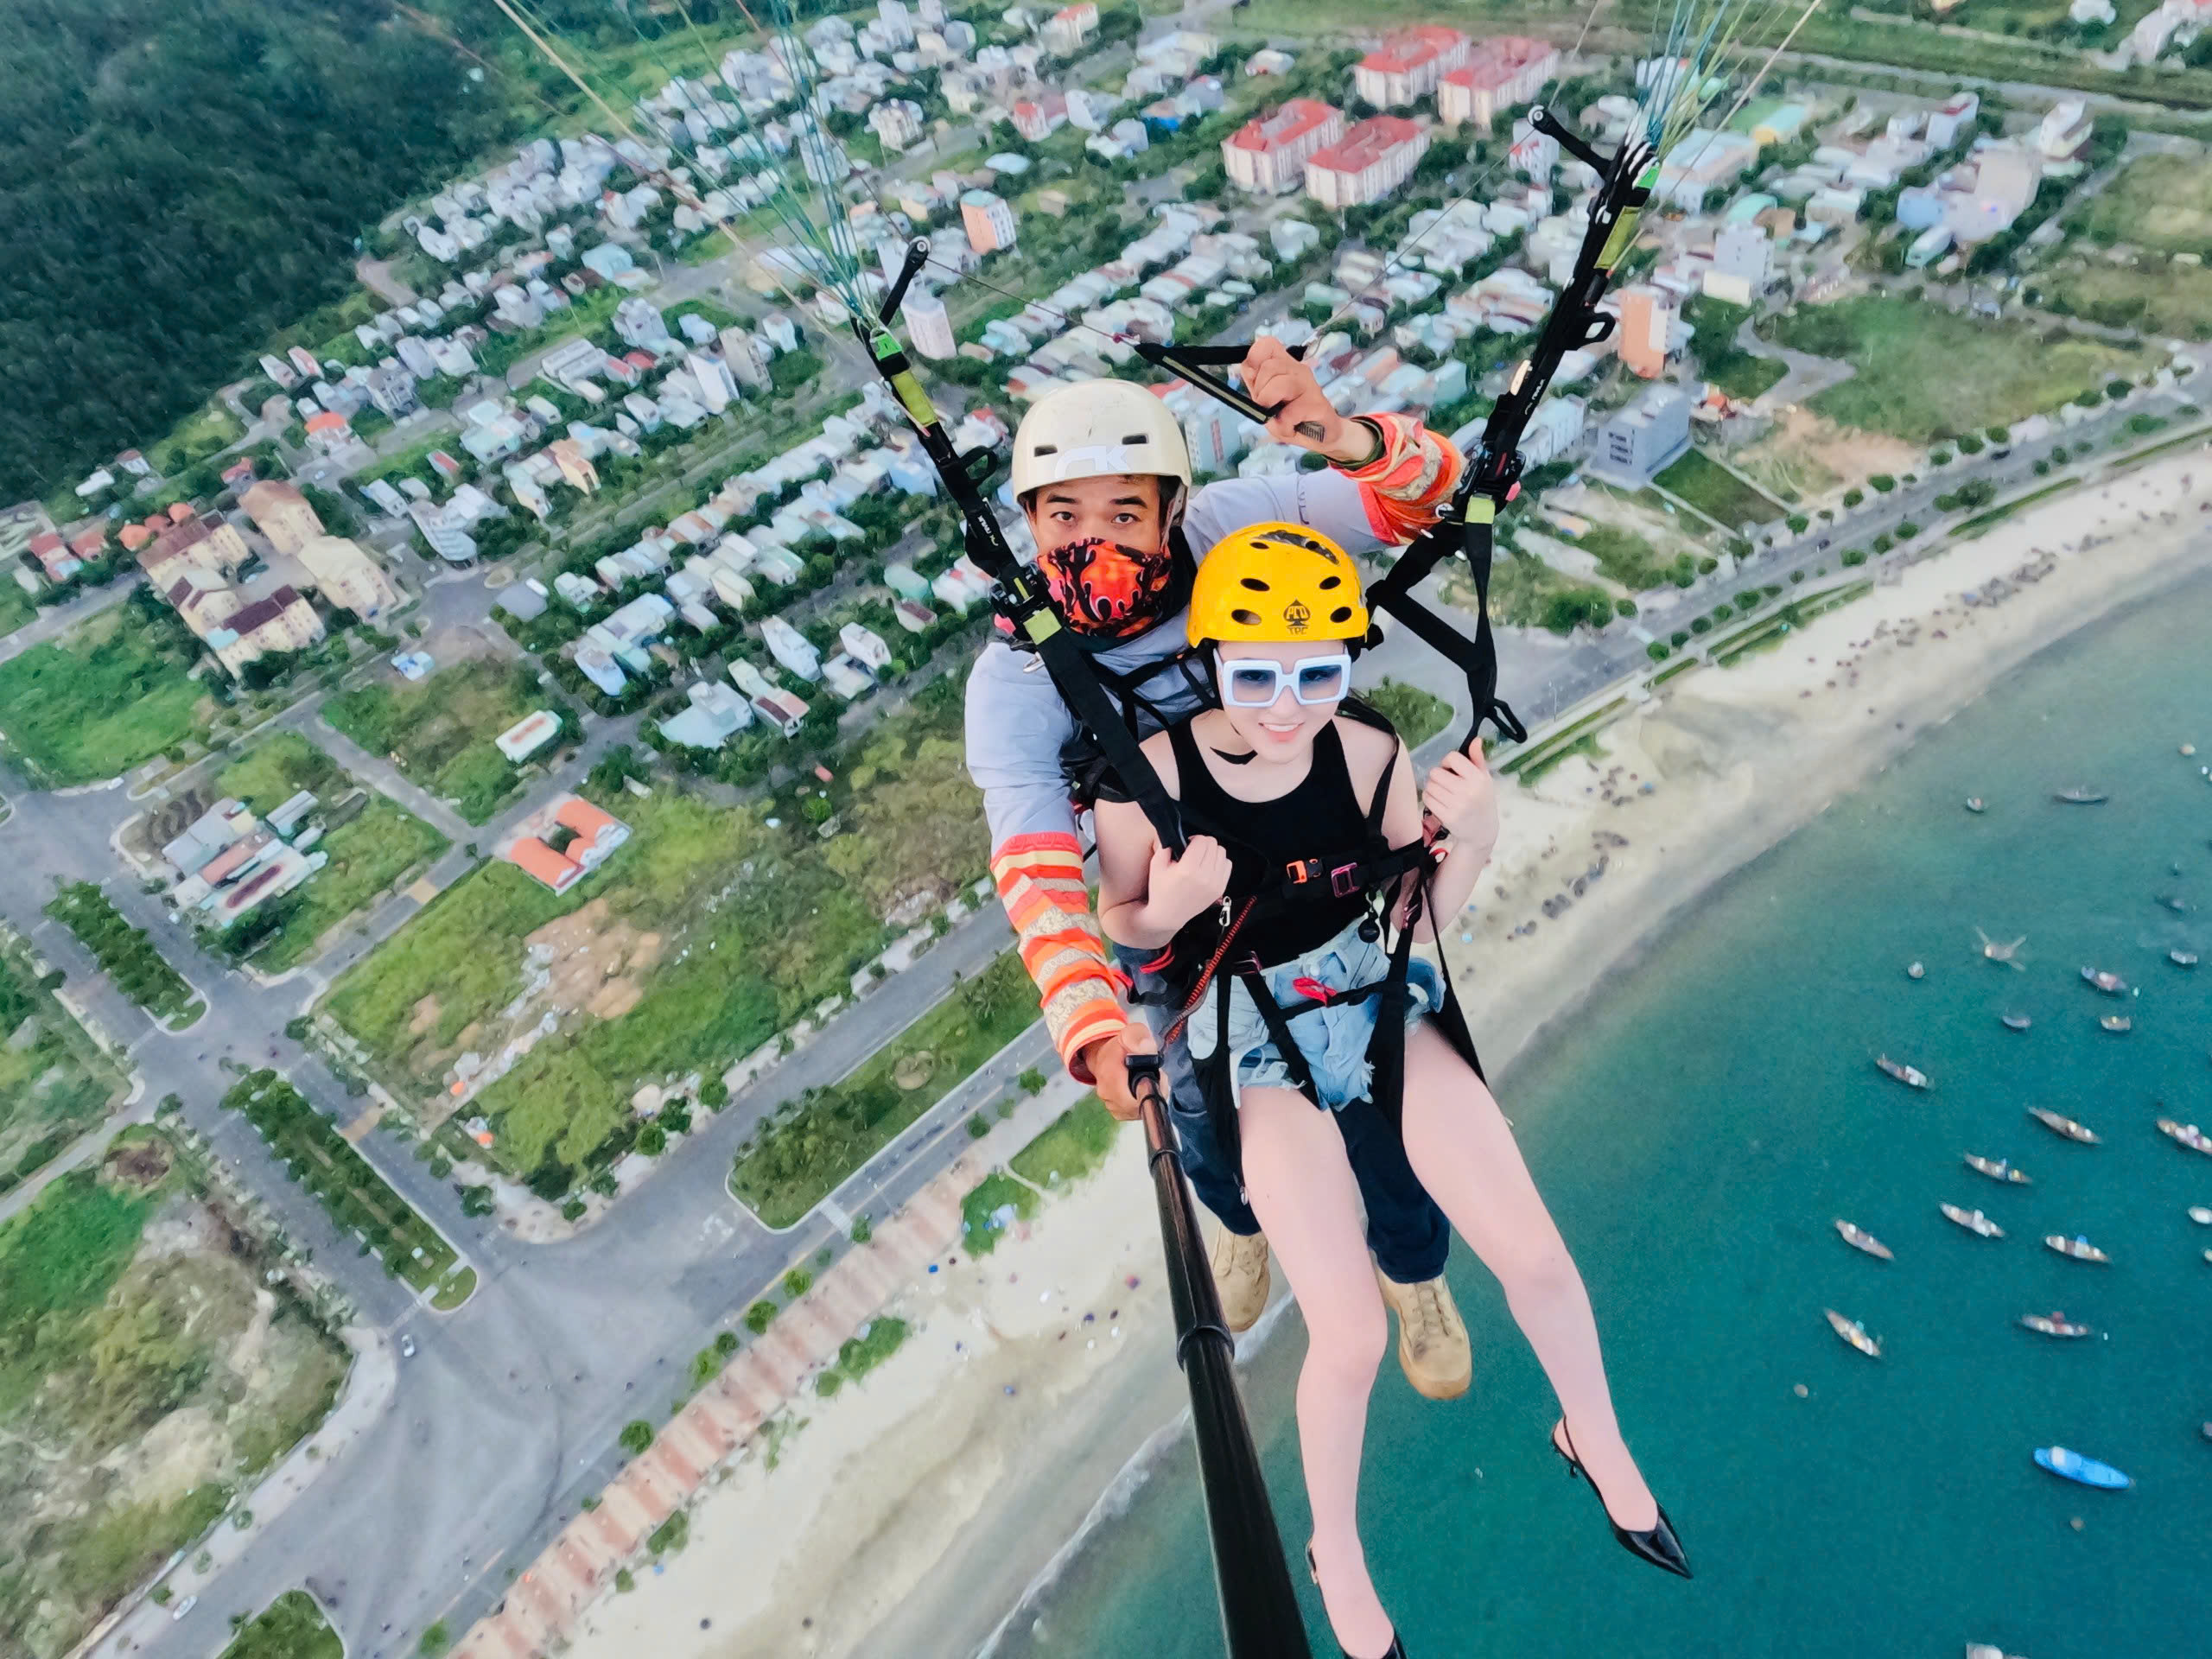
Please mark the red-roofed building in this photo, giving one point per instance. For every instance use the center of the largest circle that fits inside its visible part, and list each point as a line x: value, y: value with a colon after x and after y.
x: 210, y: 543
x: 1038, y: 118
x: 54, y: 555
x: 326, y: 429
x: 90, y: 543
x: 1410, y: 65
x: 593, y: 835
x: 1267, y: 155
x: 134, y: 536
x: 1500, y: 72
x: 534, y: 858
x: 1375, y: 158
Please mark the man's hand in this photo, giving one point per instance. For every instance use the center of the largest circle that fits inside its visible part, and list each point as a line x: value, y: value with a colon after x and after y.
x: 1273, y: 376
x: 1177, y: 889
x: 1461, y: 795
x: 1108, y: 1061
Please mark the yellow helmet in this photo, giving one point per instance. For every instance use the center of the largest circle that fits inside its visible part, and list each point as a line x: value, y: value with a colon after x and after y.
x: 1273, y: 583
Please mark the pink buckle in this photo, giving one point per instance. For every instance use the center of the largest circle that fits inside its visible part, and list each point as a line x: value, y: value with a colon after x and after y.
x: 1343, y: 880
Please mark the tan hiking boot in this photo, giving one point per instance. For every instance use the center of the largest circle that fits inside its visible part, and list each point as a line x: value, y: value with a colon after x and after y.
x: 1240, y: 1275
x: 1431, y: 1338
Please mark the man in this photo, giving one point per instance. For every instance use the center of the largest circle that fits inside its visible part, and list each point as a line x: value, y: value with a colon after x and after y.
x: 1102, y: 472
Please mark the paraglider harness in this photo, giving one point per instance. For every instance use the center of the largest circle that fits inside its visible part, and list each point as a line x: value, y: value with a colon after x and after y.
x: 1202, y: 957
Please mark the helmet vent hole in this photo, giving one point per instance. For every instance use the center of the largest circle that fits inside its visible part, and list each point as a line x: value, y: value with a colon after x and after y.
x: 1342, y: 613
x: 1254, y: 583
x: 1245, y: 619
x: 1327, y: 582
x: 1045, y: 449
x: 1137, y: 437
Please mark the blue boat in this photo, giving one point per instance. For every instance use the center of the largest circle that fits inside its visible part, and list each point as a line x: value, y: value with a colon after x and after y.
x: 2072, y: 1465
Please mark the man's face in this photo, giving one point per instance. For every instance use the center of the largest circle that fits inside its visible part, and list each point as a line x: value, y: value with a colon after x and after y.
x: 1123, y: 510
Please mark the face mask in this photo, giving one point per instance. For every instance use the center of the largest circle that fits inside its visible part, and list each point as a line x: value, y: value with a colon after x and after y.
x: 1108, y: 590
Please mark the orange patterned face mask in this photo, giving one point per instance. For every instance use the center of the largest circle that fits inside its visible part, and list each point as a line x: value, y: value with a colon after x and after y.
x: 1106, y: 590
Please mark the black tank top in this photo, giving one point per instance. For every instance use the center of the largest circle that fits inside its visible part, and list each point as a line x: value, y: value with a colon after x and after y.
x: 1321, y: 817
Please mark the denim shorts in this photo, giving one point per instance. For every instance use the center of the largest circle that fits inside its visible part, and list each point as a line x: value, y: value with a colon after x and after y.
x: 1333, y: 1038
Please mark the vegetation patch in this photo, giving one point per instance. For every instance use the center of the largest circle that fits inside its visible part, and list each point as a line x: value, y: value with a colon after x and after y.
x: 1719, y: 359
x: 1075, y: 1144
x: 369, y: 853
x: 439, y: 732
x: 155, y: 1364
x: 859, y: 1355
x: 799, y: 1156
x: 991, y: 1208
x: 358, y: 1200
x: 291, y: 1627
x: 128, y: 954
x: 110, y: 694
x: 2160, y: 202
x: 1716, y: 493
x: 1994, y: 373
x: 54, y: 1083
x: 2162, y: 298
x: 1417, y: 715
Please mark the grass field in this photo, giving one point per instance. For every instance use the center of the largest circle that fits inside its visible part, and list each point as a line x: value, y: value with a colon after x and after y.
x: 1991, y: 373
x: 110, y: 693
x: 798, y: 1157
x: 55, y: 1084
x: 1075, y: 1144
x: 154, y: 1381
x: 369, y: 853
x: 291, y: 1627
x: 2158, y: 297
x: 439, y: 732
x: 1417, y: 715
x: 1712, y: 489
x: 16, y: 608
x: 360, y: 1200
x: 1720, y: 359
x: 983, y: 1218
x: 2163, y: 203
x: 127, y: 954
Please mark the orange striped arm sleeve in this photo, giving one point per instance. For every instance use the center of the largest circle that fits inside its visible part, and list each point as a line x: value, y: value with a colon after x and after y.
x: 1040, y: 882
x: 1407, y: 486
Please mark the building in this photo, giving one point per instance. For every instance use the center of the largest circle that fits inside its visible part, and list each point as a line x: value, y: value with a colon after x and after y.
x: 1645, y: 439
x: 1066, y: 29
x: 208, y: 543
x: 1647, y: 329
x: 1948, y: 118
x: 639, y: 324
x: 1499, y: 73
x: 282, y: 513
x: 1743, y: 263
x: 928, y: 324
x: 2064, y: 134
x: 989, y: 221
x: 391, y: 389
x: 1267, y: 155
x: 791, y: 649
x: 347, y: 577
x: 280, y: 621
x: 528, y: 735
x: 1374, y: 158
x: 716, y: 715
x: 1408, y: 66
x: 896, y: 123
x: 576, y: 470
x: 589, y: 833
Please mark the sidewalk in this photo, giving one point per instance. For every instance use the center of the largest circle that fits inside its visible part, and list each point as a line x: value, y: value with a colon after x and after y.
x: 370, y: 1384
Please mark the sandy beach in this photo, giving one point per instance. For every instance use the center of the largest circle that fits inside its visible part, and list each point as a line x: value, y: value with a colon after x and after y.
x: 907, y: 1516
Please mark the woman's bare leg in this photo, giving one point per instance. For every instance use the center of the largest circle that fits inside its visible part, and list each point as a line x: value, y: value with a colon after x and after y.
x: 1460, y: 1145
x: 1301, y: 1187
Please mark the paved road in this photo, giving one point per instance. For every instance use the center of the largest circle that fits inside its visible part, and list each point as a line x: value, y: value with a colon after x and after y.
x: 54, y: 620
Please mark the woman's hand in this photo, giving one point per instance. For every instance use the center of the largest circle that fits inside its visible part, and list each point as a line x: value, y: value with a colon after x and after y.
x: 1462, y: 796
x: 1178, y: 888
x: 1306, y: 418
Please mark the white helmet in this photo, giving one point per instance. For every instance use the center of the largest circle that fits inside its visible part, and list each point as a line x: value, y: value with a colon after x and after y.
x: 1099, y: 428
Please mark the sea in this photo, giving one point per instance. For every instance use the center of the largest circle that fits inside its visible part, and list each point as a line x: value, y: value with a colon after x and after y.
x: 1698, y: 1129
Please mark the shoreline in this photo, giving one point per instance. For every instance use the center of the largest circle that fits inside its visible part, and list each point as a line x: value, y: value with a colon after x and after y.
x: 926, y: 1510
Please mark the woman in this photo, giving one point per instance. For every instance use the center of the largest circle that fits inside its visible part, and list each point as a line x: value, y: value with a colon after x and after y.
x: 1284, y: 998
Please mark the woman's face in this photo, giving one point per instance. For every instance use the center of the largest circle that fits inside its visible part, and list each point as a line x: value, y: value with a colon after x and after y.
x: 1285, y: 729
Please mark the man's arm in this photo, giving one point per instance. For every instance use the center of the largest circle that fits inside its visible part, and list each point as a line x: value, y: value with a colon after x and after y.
x: 1016, y: 728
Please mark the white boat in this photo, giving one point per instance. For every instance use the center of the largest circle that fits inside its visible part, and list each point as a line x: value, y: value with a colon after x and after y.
x: 1911, y: 1075
x: 1972, y: 1220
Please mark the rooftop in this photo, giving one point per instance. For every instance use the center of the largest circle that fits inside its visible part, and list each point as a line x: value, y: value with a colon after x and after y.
x: 1409, y: 48
x: 1273, y: 128
x: 1365, y: 144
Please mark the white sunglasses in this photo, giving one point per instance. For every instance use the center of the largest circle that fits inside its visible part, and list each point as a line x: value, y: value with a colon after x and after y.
x: 1255, y: 682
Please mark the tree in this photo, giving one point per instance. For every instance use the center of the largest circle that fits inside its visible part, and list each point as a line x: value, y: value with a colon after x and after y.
x: 637, y: 1434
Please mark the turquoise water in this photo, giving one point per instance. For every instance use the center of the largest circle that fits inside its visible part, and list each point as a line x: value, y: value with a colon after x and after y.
x: 1698, y: 1132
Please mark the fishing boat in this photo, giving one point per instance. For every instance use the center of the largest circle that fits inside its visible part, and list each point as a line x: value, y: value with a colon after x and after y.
x: 2182, y: 959
x: 1854, y: 1333
x: 2117, y: 1023
x: 1972, y: 1220
x: 2174, y: 902
x: 2054, y: 1324
x: 1998, y: 1169
x: 2077, y: 1247
x: 2078, y: 796
x: 1911, y: 1075
x: 2188, y: 1134
x: 1974, y: 803
x: 2200, y: 1214
x: 2016, y: 1021
x: 1860, y: 1239
x: 2110, y: 984
x: 1917, y: 970
x: 2086, y: 1472
x: 2058, y: 1123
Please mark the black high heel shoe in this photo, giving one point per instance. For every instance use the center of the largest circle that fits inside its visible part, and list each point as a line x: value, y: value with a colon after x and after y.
x: 1398, y: 1648
x: 1658, y: 1544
